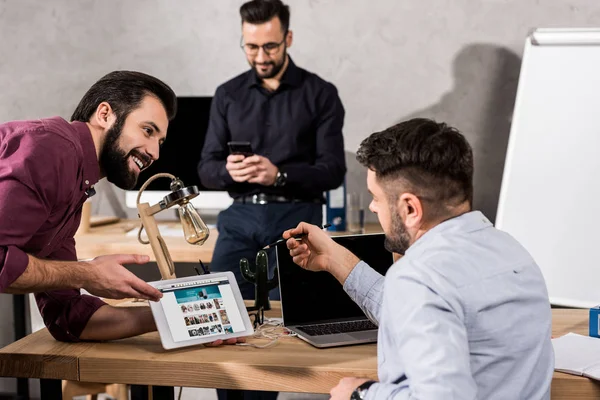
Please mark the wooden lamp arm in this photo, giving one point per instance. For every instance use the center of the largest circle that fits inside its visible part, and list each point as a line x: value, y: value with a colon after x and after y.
x: 159, y: 248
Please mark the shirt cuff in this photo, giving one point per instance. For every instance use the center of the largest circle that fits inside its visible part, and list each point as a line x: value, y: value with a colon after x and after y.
x: 226, y: 176
x: 83, y: 311
x: 388, y: 391
x: 371, y: 392
x: 292, y: 173
x: 66, y: 312
x: 15, y: 263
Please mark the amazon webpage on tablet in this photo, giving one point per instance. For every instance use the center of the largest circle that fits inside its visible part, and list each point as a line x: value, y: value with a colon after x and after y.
x: 203, y: 307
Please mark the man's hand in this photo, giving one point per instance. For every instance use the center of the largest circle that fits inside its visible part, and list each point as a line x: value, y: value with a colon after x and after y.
x: 252, y: 169
x: 313, y: 252
x: 106, y: 277
x: 318, y: 252
x: 239, y: 171
x: 344, y: 389
x: 264, y: 172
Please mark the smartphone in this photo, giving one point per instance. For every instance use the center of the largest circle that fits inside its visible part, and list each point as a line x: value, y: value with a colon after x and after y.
x: 243, y: 148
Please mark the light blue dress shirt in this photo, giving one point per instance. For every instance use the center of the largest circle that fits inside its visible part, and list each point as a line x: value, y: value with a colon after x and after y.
x: 463, y: 315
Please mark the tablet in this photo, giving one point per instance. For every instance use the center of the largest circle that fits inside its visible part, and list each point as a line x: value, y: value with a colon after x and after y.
x: 200, y: 309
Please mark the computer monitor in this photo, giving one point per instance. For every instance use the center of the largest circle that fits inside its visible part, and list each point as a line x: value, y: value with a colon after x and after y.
x: 180, y: 155
x: 310, y: 297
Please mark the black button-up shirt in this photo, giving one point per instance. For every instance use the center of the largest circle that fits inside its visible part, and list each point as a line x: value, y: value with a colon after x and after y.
x: 298, y: 127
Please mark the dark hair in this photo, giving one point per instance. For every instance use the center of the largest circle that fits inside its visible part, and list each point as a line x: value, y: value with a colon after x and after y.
x: 432, y: 160
x: 124, y: 91
x: 260, y: 11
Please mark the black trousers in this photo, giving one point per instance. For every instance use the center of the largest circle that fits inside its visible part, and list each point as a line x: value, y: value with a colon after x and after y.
x: 244, y: 229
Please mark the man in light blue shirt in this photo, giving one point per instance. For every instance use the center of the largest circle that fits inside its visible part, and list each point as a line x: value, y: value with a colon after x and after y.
x: 464, y: 314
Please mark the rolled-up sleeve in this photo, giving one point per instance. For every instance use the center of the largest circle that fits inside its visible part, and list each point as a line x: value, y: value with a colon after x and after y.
x: 66, y: 312
x: 13, y: 262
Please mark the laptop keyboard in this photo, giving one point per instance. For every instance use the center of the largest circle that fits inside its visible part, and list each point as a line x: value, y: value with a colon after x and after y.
x: 338, y: 327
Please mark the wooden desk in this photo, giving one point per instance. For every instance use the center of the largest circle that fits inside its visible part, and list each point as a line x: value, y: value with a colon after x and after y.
x: 565, y: 386
x: 113, y: 239
x: 291, y: 365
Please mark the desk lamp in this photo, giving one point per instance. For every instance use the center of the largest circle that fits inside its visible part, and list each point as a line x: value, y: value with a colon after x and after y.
x: 194, y: 229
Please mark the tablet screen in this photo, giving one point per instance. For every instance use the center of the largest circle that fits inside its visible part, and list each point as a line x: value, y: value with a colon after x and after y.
x: 201, y: 307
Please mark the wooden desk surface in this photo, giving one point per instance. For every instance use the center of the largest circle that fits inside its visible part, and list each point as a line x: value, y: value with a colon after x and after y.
x: 565, y: 386
x: 290, y: 365
x: 113, y: 239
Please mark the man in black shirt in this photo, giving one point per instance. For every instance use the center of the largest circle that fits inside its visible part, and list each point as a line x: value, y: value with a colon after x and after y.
x: 293, y: 120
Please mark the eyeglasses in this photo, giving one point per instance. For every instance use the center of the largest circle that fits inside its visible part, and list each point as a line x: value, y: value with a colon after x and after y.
x: 269, y: 48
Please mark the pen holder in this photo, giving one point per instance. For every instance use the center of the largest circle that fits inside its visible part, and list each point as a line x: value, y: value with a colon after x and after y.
x: 260, y: 278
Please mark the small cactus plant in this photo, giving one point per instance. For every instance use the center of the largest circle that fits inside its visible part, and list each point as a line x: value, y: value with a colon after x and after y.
x: 260, y: 278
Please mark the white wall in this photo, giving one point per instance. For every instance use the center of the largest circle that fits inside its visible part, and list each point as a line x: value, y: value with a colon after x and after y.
x: 453, y: 60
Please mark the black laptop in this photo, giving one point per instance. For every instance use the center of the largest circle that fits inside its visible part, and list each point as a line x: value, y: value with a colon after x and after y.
x: 314, y: 304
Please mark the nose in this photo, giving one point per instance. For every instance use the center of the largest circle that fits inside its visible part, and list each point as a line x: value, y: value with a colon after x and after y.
x: 261, y: 56
x: 153, y: 150
x: 372, y: 208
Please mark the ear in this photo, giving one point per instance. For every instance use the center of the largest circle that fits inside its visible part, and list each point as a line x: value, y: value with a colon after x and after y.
x: 104, y: 115
x: 411, y: 210
x: 289, y: 39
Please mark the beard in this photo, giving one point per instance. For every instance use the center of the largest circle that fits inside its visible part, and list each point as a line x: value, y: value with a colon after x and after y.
x: 114, y: 162
x: 398, y: 241
x: 276, y: 66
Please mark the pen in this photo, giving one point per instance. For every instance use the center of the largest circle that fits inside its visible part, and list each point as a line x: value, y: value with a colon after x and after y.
x: 295, y: 237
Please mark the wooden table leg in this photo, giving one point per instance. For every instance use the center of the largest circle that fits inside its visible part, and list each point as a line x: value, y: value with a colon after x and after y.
x: 118, y: 391
x: 20, y: 318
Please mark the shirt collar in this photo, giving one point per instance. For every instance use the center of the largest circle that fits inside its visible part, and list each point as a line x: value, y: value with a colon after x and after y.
x: 91, y: 168
x: 292, y: 76
x: 467, y: 222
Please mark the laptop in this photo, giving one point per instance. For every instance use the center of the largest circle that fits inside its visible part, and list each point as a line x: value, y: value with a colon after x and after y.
x: 314, y: 304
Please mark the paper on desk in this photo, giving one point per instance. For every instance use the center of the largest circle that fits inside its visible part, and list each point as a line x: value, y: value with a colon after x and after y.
x: 578, y: 355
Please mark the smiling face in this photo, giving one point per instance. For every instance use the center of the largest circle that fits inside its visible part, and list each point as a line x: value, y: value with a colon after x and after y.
x: 270, y: 35
x: 131, y: 146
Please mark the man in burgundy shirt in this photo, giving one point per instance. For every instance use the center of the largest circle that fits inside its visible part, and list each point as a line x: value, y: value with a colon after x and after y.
x: 48, y: 168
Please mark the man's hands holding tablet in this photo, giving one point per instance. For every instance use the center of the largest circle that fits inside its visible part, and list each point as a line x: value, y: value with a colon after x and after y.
x: 205, y: 309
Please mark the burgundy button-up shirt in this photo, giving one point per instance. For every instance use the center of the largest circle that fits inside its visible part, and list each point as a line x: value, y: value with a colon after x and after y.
x: 47, y: 170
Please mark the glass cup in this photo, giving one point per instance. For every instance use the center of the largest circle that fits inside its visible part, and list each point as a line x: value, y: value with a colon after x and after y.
x: 355, y: 213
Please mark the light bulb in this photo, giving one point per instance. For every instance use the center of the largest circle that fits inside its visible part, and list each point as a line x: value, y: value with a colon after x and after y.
x: 194, y: 229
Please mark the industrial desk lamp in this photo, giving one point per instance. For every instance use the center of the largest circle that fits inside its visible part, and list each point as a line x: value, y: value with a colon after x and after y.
x: 194, y: 229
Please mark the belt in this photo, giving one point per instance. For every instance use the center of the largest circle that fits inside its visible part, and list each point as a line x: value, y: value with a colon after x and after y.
x: 263, y: 198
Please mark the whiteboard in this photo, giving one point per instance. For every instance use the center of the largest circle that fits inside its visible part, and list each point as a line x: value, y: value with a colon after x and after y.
x: 550, y: 194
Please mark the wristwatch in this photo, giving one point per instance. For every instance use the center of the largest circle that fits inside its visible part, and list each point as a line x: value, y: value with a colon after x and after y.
x: 360, y: 393
x: 280, y: 179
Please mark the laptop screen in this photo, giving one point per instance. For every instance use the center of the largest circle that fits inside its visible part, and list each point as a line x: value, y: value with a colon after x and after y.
x: 310, y: 297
